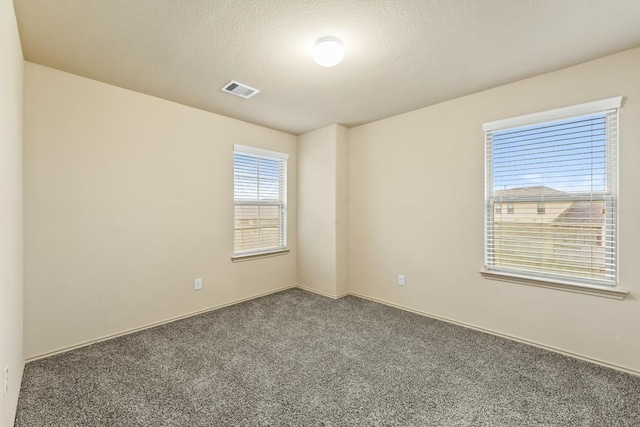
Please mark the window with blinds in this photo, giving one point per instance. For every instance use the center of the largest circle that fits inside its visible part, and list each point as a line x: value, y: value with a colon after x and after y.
x: 557, y: 174
x: 260, y: 190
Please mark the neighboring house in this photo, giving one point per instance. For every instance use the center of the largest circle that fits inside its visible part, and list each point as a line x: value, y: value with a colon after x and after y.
x: 579, y: 234
x: 537, y: 227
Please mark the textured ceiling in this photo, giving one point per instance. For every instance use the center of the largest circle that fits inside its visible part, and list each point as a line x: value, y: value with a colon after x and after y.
x: 401, y: 54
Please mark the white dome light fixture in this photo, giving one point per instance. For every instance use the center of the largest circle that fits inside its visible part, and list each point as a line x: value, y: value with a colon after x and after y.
x: 328, y: 51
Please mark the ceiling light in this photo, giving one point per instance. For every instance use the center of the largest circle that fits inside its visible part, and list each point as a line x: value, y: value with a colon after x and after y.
x: 328, y: 51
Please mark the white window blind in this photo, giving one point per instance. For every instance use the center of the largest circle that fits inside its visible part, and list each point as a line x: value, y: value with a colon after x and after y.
x: 260, y: 192
x: 557, y: 173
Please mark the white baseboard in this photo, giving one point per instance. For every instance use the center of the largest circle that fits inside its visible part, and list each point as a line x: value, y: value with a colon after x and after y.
x: 324, y: 294
x: 154, y: 324
x: 502, y: 335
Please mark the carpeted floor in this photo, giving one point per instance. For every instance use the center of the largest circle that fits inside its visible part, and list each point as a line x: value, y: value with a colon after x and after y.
x: 298, y: 359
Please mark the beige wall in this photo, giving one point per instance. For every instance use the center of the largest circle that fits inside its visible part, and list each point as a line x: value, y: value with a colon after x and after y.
x: 322, y: 210
x: 416, y: 208
x: 342, y: 210
x: 128, y: 199
x: 11, y: 68
x: 316, y: 210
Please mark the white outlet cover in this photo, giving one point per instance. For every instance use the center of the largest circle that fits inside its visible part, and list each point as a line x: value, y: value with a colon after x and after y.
x: 198, y: 284
x: 6, y: 379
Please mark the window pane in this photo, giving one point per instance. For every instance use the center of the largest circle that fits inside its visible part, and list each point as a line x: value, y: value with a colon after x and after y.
x: 568, y: 239
x: 245, y: 177
x: 567, y: 156
x: 269, y: 189
x: 257, y: 227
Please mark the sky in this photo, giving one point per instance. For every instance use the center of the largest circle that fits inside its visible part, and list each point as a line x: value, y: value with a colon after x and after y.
x: 246, y: 184
x: 568, y: 155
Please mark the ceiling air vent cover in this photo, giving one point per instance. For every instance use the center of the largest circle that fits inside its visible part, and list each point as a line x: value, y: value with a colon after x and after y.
x: 239, y: 89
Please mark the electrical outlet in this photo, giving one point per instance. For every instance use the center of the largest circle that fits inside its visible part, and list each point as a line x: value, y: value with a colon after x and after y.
x: 198, y: 284
x: 6, y: 379
x: 401, y: 279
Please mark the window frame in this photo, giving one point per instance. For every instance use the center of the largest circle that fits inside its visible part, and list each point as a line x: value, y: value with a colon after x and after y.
x: 541, y: 278
x: 281, y: 204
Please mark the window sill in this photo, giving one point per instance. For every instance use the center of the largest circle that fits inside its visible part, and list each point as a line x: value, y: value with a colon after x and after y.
x: 249, y: 257
x: 600, y: 291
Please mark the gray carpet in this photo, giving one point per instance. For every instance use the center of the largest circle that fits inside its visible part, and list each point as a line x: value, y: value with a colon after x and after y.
x: 298, y: 359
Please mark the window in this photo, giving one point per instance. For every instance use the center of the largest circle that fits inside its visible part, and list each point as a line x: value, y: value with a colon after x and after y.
x: 260, y: 194
x: 558, y: 171
x: 498, y: 208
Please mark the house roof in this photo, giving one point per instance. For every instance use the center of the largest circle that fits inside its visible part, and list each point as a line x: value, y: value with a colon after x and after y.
x: 582, y: 213
x: 400, y: 55
x: 534, y: 191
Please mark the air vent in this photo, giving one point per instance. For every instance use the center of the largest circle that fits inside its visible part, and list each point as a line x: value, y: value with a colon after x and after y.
x: 239, y: 89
